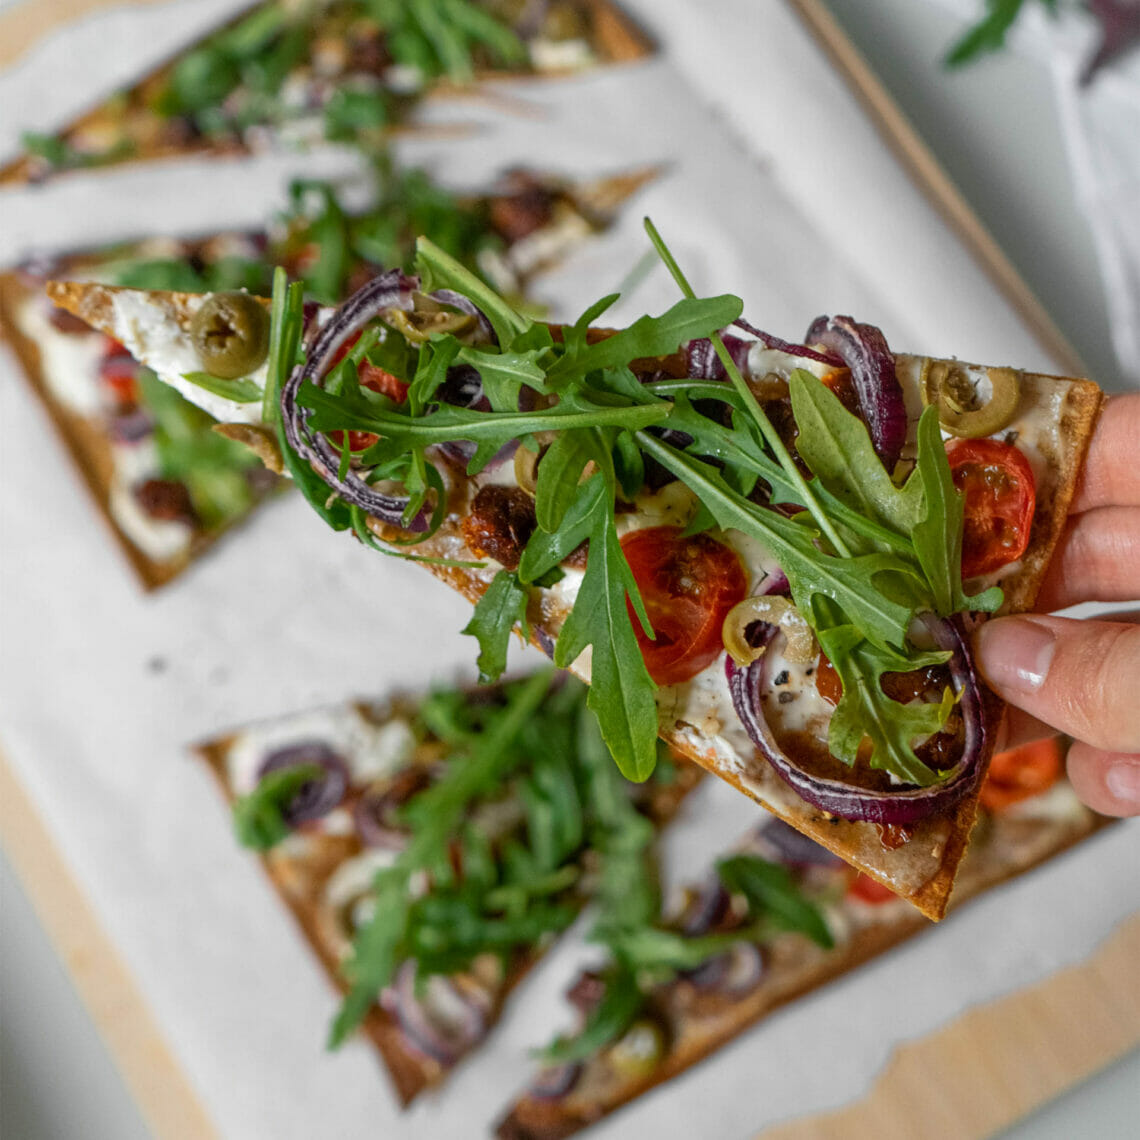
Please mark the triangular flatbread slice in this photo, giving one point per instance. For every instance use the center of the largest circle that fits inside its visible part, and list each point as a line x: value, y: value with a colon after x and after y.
x: 1031, y: 434
x: 692, y: 1014
x: 285, y: 74
x: 377, y: 758
x: 166, y: 485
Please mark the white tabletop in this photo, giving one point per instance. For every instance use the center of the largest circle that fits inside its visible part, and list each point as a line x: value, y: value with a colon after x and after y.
x: 994, y: 128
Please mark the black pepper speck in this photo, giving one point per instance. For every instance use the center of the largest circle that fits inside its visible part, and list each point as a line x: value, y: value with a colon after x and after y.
x: 781, y: 678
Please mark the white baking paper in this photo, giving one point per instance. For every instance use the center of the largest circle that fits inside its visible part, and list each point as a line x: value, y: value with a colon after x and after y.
x: 102, y: 688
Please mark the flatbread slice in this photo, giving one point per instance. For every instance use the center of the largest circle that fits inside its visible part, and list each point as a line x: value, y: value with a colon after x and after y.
x: 341, y: 830
x: 916, y: 738
x: 166, y: 485
x: 696, y: 1012
x: 287, y: 74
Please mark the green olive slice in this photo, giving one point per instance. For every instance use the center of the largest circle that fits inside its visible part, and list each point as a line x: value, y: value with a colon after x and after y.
x: 230, y: 333
x: 960, y: 411
x: 775, y: 610
x: 419, y: 325
x: 638, y: 1051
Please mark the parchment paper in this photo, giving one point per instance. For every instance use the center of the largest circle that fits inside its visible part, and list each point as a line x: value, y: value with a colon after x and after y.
x: 101, y: 689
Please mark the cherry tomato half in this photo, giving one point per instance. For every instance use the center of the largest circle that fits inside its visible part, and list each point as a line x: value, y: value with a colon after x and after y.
x: 1000, y: 499
x: 688, y: 586
x: 370, y: 376
x: 1021, y: 772
x: 870, y: 890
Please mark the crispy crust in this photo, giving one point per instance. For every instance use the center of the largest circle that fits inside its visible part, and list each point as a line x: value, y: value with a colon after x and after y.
x: 535, y: 1119
x: 617, y: 39
x: 86, y: 441
x: 923, y: 870
x: 299, y: 888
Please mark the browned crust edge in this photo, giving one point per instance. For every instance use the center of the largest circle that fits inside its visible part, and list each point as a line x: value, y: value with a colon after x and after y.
x: 546, y: 1124
x: 618, y: 39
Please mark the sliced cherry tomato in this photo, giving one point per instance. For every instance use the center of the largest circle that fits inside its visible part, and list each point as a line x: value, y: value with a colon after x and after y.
x: 870, y: 890
x: 827, y: 680
x: 1022, y: 772
x: 997, y: 482
x: 119, y: 371
x: 688, y: 585
x: 370, y: 376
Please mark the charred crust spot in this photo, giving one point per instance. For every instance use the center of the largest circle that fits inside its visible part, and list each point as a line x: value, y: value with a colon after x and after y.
x: 500, y: 524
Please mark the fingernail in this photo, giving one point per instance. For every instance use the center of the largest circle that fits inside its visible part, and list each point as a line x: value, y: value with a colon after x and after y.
x: 1014, y: 653
x: 1123, y: 781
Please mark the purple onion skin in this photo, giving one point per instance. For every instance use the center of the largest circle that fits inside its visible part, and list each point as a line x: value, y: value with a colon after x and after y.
x: 734, y: 973
x: 864, y: 351
x: 801, y: 350
x: 704, y: 364
x: 315, y: 798
x: 779, y: 842
x: 417, y: 1026
x: 556, y: 1081
x: 708, y: 908
x: 907, y: 805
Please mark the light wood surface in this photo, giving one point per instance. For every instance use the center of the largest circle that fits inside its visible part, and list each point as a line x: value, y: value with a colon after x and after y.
x: 1000, y: 1061
x: 159, y: 1086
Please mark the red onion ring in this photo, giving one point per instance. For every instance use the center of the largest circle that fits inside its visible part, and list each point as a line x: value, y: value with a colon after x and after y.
x: 736, y: 971
x: 555, y: 1081
x: 864, y: 350
x: 770, y: 341
x: 907, y: 805
x: 445, y: 1042
x: 703, y: 362
x: 316, y: 797
x: 391, y: 290
x: 705, y: 909
x: 376, y: 809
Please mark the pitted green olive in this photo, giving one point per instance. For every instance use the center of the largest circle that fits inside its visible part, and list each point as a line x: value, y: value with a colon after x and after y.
x: 230, y: 333
x: 960, y: 408
x: 638, y: 1051
x: 775, y: 610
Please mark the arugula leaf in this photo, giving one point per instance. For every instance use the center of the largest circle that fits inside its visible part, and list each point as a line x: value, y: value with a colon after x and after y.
x: 648, y: 336
x: 258, y: 817
x: 240, y: 391
x: 435, y: 815
x: 621, y: 1002
x: 773, y: 895
x: 989, y: 33
x: 621, y: 690
x: 864, y: 710
x: 497, y: 613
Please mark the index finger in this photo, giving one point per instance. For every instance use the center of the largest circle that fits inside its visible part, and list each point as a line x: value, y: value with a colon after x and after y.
x: 1111, y: 473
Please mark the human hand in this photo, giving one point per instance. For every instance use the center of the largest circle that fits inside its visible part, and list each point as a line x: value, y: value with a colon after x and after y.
x: 1083, y: 677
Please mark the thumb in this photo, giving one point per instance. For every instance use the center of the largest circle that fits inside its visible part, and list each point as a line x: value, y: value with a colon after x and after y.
x: 1082, y: 678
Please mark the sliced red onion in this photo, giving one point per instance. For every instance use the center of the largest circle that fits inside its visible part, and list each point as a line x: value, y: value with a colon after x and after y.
x: 779, y: 842
x: 907, y: 804
x: 449, y: 1020
x: 314, y: 798
x: 705, y: 909
x: 864, y: 350
x: 802, y: 350
x: 392, y: 290
x: 375, y: 813
x: 737, y: 971
x: 130, y: 427
x: 586, y: 992
x: 704, y: 364
x: 556, y: 1081
x: 776, y: 583
x: 466, y: 305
